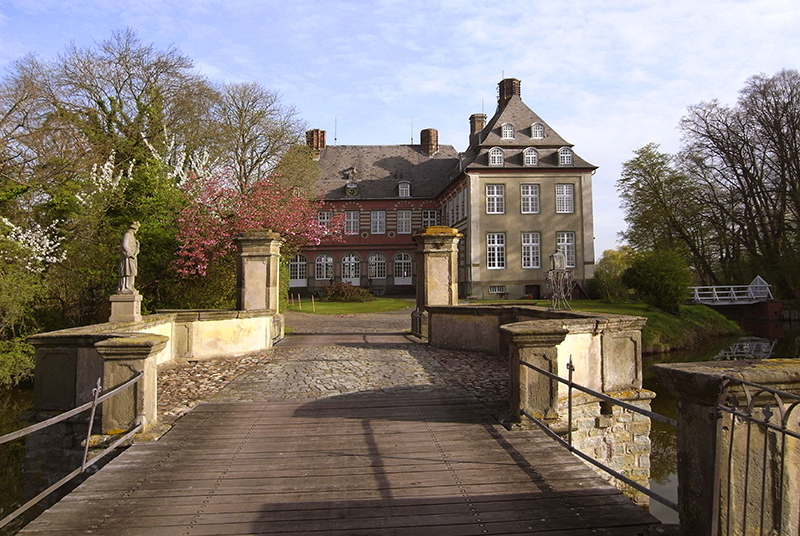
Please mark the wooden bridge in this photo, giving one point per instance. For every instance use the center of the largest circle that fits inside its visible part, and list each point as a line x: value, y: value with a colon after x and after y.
x: 410, y: 460
x: 757, y: 291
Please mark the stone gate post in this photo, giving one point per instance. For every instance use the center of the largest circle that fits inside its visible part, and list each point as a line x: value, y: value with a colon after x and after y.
x: 437, y: 272
x: 710, y: 448
x: 257, y: 270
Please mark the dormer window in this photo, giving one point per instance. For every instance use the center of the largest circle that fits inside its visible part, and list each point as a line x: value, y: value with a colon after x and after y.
x: 537, y: 131
x: 404, y: 189
x: 495, y: 156
x: 508, y: 131
x: 530, y: 157
x: 565, y: 156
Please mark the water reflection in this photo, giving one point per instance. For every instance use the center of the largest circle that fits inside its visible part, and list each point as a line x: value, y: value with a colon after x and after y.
x: 748, y: 348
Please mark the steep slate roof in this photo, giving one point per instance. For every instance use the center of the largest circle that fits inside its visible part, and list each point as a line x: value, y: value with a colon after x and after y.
x: 379, y: 169
x: 518, y: 114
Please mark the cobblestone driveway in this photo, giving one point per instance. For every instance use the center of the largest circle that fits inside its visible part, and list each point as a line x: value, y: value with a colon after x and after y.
x: 328, y: 355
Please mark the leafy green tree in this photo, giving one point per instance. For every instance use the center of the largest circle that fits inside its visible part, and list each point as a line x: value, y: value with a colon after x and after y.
x: 660, y: 278
x: 608, y: 274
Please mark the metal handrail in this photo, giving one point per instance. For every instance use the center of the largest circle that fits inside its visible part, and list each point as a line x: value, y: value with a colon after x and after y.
x: 568, y: 443
x: 85, y: 463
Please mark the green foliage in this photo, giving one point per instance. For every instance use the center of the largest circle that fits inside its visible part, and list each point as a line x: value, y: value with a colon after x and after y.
x: 608, y: 274
x: 345, y: 292
x: 660, y: 279
x: 17, y: 360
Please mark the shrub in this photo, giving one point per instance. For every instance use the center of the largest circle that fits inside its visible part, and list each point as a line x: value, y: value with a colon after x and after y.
x: 660, y: 278
x: 345, y: 292
x: 17, y: 359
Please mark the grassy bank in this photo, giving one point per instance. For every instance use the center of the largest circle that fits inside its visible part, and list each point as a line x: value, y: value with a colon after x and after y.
x: 664, y: 332
x: 378, y: 305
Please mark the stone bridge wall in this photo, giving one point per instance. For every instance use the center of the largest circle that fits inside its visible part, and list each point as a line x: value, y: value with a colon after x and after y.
x: 606, y: 353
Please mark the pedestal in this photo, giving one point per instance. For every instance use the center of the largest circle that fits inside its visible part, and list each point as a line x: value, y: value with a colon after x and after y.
x: 126, y: 307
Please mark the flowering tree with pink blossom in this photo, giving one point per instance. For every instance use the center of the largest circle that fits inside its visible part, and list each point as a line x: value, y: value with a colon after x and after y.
x: 218, y: 212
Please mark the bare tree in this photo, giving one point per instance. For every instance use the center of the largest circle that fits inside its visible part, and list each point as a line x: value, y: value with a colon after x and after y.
x: 253, y: 130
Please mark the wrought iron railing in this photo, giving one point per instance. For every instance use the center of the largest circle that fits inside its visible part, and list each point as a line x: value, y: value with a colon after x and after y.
x: 756, y: 485
x: 604, y: 397
x: 97, y: 399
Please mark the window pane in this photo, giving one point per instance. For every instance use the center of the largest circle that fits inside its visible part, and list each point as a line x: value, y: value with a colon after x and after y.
x: 324, y: 267
x: 402, y: 265
x: 495, y: 199
x: 377, y: 266
x: 565, y: 240
x: 429, y: 218
x: 495, y: 250
x: 351, y: 223
x: 378, y: 222
x: 565, y: 198
x: 404, y: 221
x: 531, y: 250
x: 530, y: 198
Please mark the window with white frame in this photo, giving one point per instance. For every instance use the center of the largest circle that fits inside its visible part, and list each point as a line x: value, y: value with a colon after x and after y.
x: 497, y: 289
x: 451, y: 212
x: 508, y: 131
x: 462, y: 203
x: 298, y: 272
x: 529, y: 197
x: 376, y: 264
x: 537, y: 131
x: 495, y: 199
x: 402, y: 269
x: 565, y: 198
x: 351, y: 269
x: 495, y: 156
x: 377, y: 222
x: 530, y: 157
x: 430, y: 217
x: 324, y: 267
x: 495, y: 251
x: 404, y: 189
x: 351, y: 222
x: 404, y: 221
x: 565, y: 242
x: 565, y: 156
x: 531, y: 250
x: 324, y: 218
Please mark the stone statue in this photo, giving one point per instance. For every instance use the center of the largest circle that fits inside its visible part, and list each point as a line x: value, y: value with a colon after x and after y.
x: 559, y: 260
x: 128, y: 268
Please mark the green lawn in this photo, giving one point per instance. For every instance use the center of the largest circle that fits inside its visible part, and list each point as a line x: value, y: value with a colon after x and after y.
x: 379, y: 305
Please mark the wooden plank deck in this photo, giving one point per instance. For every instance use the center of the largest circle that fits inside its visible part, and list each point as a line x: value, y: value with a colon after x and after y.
x: 399, y: 462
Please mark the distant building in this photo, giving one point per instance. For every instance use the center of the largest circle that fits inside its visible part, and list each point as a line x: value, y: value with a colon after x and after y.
x: 518, y: 194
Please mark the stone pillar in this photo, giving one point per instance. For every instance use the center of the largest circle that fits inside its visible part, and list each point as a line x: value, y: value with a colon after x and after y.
x: 706, y: 447
x: 123, y: 357
x: 535, y: 343
x: 257, y: 270
x: 126, y: 307
x: 437, y: 272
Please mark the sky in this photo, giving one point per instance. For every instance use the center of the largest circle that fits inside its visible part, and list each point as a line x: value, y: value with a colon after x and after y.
x: 609, y: 76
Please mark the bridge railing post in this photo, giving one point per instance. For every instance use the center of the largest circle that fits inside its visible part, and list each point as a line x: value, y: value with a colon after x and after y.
x: 714, y: 488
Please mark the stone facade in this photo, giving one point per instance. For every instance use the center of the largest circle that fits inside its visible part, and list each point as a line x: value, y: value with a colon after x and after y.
x: 518, y: 193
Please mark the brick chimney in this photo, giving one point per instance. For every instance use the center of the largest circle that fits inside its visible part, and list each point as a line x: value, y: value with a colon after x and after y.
x: 476, y: 124
x: 507, y: 88
x: 316, y: 140
x: 429, y: 141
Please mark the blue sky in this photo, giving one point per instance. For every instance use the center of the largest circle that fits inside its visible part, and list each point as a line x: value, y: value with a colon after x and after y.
x: 609, y: 76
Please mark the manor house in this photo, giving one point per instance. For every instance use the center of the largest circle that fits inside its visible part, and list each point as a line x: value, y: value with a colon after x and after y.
x: 518, y: 194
